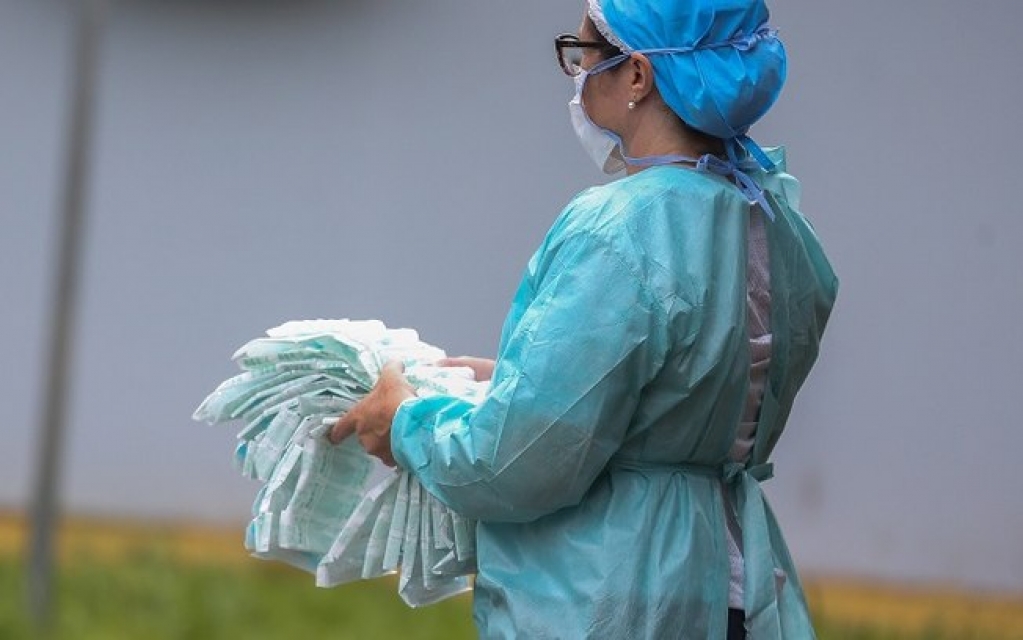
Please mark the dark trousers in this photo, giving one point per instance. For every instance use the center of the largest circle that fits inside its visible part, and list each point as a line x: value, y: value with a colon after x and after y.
x: 736, y: 624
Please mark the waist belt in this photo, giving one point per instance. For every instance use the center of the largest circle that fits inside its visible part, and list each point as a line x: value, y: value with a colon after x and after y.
x: 729, y: 472
x: 760, y: 599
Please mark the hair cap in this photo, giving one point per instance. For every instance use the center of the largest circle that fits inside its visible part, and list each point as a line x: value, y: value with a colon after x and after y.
x: 716, y: 63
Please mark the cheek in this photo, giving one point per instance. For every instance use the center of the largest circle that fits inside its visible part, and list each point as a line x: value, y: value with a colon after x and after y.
x: 599, y: 103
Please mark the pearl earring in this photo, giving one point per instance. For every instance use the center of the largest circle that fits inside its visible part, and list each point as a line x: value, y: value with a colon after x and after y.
x: 632, y: 105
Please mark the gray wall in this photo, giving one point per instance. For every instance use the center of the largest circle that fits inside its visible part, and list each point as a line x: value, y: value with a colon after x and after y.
x: 264, y: 161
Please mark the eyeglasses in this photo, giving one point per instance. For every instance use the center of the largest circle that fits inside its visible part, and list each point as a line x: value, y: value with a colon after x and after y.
x: 569, y: 49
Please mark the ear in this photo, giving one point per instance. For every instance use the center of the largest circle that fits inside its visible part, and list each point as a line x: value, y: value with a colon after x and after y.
x: 642, y: 78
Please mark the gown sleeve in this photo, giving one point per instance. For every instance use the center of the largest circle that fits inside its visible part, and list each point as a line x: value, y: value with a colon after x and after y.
x: 589, y: 335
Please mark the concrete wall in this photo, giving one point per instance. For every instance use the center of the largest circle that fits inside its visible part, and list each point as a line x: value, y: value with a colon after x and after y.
x: 262, y: 161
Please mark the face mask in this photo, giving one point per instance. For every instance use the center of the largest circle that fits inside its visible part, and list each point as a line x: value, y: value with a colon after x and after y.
x: 600, y: 144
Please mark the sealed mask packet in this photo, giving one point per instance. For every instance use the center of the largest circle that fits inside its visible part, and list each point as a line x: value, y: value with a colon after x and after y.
x: 334, y: 510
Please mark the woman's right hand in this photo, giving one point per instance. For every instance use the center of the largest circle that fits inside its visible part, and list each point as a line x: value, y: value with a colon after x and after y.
x: 482, y: 368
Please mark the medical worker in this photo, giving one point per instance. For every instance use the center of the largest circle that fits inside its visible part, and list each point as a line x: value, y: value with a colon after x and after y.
x: 650, y: 357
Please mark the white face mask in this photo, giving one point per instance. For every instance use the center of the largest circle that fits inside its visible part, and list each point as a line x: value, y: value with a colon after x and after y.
x: 599, y: 143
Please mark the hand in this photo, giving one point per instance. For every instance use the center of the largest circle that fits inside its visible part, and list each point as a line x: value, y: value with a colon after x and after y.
x: 482, y: 368
x: 372, y: 416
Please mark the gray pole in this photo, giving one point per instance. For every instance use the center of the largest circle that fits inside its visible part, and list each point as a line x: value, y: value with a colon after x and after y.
x: 45, y: 505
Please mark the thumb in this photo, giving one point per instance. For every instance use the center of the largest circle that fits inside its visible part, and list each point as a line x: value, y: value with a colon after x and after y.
x: 393, y: 367
x: 344, y: 427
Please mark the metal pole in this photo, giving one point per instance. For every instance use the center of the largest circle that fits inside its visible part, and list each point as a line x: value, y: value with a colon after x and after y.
x: 46, y: 503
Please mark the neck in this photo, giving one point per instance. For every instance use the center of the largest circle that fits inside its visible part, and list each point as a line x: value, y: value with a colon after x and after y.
x: 659, y: 132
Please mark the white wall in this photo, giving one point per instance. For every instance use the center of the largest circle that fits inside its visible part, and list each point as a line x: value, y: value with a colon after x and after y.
x: 263, y: 161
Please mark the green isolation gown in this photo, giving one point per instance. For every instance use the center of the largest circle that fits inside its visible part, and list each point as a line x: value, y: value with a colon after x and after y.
x: 598, y: 464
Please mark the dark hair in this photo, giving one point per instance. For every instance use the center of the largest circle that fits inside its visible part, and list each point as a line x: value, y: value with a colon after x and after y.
x: 705, y: 140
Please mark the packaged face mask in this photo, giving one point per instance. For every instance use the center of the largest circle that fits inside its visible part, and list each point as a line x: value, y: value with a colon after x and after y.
x: 221, y: 405
x: 347, y: 558
x: 260, y: 536
x: 410, y: 546
x: 265, y: 353
x: 441, y: 520
x: 328, y: 403
x: 307, y: 385
x: 373, y: 563
x: 465, y: 538
x: 333, y: 510
x: 268, y: 449
x: 248, y: 404
x: 396, y: 536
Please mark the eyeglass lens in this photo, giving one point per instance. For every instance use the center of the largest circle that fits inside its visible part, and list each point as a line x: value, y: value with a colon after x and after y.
x: 572, y: 60
x: 570, y: 54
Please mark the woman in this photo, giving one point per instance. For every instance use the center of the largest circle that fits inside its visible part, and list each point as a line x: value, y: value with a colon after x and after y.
x: 649, y: 360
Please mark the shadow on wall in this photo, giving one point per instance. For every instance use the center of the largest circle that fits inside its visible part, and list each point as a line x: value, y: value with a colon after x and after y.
x: 250, y: 6
x: 253, y: 5
x: 245, y: 14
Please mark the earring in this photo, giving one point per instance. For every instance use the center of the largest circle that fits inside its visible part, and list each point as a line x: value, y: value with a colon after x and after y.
x: 632, y: 105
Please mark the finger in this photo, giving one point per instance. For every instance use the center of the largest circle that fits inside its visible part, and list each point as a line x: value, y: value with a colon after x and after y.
x: 343, y: 428
x: 393, y: 368
x: 392, y: 378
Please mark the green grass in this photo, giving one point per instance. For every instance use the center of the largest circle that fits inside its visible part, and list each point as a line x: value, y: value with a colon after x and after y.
x: 150, y: 595
x: 831, y: 630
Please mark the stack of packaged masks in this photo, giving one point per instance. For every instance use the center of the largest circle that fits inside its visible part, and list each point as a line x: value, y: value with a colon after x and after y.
x: 334, y: 510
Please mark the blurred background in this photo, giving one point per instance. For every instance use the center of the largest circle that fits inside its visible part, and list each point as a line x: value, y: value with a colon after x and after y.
x: 256, y: 161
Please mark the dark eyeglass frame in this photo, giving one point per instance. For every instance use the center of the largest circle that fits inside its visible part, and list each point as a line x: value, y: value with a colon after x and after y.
x: 572, y: 41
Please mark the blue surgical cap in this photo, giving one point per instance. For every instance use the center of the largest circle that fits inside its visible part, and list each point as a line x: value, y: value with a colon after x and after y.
x: 716, y: 63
